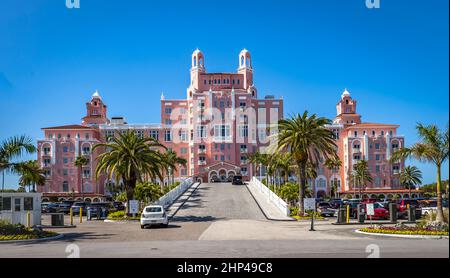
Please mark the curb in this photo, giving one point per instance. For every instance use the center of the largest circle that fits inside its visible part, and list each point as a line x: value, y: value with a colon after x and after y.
x: 59, y: 227
x: 263, y: 212
x: 402, y: 236
x: 32, y: 240
x: 176, y: 211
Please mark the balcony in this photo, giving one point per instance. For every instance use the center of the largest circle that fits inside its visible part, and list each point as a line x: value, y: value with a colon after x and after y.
x: 201, y: 151
x: 395, y: 171
x: 244, y: 151
x: 202, y: 162
x: 244, y: 161
x: 244, y: 173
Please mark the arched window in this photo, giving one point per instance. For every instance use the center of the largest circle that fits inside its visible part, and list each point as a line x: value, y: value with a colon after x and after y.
x: 195, y: 61
x: 242, y: 61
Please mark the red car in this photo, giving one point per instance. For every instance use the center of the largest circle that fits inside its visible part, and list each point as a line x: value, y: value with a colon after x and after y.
x: 380, y: 212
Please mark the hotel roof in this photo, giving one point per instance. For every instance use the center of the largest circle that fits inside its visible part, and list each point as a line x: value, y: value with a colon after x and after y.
x: 68, y: 127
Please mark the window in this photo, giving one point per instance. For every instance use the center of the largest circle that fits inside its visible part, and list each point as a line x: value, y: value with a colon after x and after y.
x: 28, y: 203
x: 222, y: 158
x: 244, y: 170
x: 183, y: 172
x: 357, y: 157
x: 243, y: 148
x: 183, y: 150
x: 222, y: 132
x: 168, y: 110
x: 183, y: 122
x: 46, y: 162
x: 183, y: 135
x: 222, y: 147
x: 65, y: 149
x: 154, y: 134
x: 243, y: 130
x: 86, y: 136
x: 140, y: 134
x: 59, y: 135
x: 5, y: 203
x: 243, y: 159
x: 167, y: 136
x: 377, y: 168
x: 377, y: 157
x: 201, y: 131
x: 242, y: 104
x: 377, y: 146
x: 65, y: 160
x: 86, y: 150
x: 167, y: 121
x: 16, y: 204
x: 182, y: 110
x: 382, y: 133
x: 222, y: 104
x: 373, y: 132
x: 377, y: 181
x: 394, y: 145
x: 356, y: 133
x: 65, y: 186
x: 356, y: 146
x: 262, y: 134
x: 86, y: 173
x: 46, y: 150
x: 65, y: 172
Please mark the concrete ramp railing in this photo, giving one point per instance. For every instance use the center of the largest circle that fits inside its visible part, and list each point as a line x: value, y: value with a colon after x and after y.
x: 273, y: 198
x: 168, y: 199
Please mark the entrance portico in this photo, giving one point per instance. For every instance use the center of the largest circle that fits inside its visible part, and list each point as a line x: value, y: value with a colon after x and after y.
x: 222, y: 170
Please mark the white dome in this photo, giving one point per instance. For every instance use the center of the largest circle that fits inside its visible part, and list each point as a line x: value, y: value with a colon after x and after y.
x: 345, y: 93
x: 96, y: 95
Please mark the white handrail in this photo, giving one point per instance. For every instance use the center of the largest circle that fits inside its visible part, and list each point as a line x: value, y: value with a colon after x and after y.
x: 271, y: 197
x: 172, y: 195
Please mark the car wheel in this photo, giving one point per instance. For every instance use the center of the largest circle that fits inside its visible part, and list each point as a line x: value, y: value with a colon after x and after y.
x: 142, y: 226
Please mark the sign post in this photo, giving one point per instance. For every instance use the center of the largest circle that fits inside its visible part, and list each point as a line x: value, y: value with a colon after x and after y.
x: 310, y: 204
x: 134, y: 207
x: 370, y: 210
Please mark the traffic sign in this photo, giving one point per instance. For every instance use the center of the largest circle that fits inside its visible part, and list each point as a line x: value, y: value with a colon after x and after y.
x: 309, y: 203
x: 370, y: 209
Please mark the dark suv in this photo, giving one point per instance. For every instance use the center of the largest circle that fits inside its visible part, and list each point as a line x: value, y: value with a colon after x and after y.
x: 237, y: 180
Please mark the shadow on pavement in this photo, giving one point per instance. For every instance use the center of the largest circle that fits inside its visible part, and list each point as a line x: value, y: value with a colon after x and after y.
x: 193, y: 218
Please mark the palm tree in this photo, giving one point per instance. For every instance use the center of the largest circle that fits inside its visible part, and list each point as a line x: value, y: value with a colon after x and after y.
x: 258, y: 159
x: 410, y: 177
x: 130, y: 158
x: 361, y: 175
x: 285, y: 164
x: 80, y: 162
x: 307, y: 139
x: 31, y: 175
x: 433, y: 148
x: 172, y: 160
x: 333, y: 163
x: 11, y: 149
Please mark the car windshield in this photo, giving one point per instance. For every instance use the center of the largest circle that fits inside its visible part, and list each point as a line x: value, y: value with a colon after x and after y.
x: 378, y: 205
x: 153, y: 209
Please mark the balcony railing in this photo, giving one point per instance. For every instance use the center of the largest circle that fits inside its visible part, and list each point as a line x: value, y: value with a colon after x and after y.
x: 202, y: 162
x: 396, y: 171
x: 201, y: 150
x: 244, y: 150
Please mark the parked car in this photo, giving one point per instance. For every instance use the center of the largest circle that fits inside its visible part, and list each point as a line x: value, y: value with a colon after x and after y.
x: 325, y: 209
x: 336, y: 203
x: 97, y: 209
x: 237, y: 180
x: 49, y: 207
x: 154, y: 215
x: 215, y: 179
x: 64, y: 207
x: 118, y: 205
x: 353, y: 203
x: 76, y: 208
x: 402, y: 208
x: 380, y: 212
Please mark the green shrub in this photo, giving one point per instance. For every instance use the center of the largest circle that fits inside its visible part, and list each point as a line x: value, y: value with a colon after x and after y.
x: 120, y: 215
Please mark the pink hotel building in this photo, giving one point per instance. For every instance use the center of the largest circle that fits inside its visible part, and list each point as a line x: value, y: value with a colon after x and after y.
x: 215, y: 127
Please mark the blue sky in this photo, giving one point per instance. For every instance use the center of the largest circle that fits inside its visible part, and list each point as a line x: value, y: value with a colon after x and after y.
x: 394, y: 60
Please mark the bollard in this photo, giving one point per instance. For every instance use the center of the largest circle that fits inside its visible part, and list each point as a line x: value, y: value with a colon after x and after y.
x: 81, y: 215
x: 347, y: 220
x: 71, y: 216
x: 341, y: 216
x: 411, y: 214
x: 393, y: 212
x: 360, y: 213
x: 28, y: 220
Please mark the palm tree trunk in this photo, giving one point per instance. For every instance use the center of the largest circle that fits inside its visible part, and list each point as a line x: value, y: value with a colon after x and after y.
x: 440, y: 212
x: 301, y: 172
x: 81, y: 185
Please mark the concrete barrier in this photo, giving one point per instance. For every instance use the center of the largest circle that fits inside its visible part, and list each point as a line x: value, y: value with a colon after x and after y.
x: 271, y: 197
x: 168, y: 199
